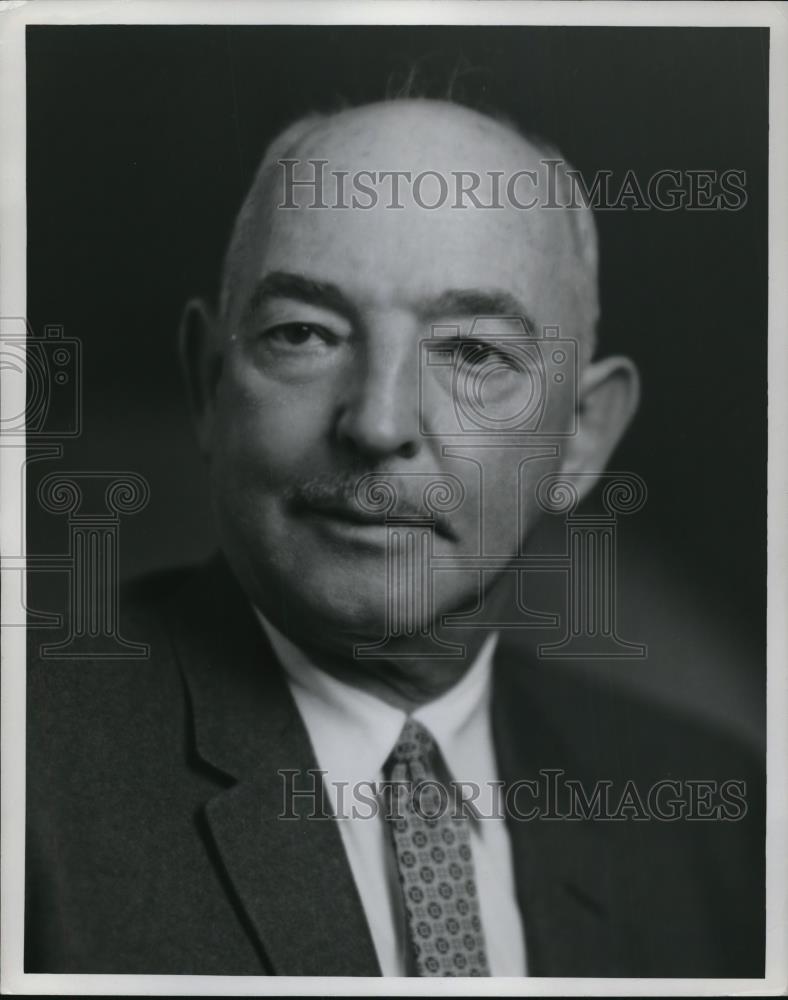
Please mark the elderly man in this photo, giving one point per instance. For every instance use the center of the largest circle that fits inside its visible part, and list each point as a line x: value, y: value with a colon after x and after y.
x: 201, y: 812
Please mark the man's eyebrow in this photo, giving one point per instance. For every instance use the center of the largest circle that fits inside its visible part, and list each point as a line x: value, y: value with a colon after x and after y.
x: 452, y: 302
x: 477, y: 302
x: 288, y: 285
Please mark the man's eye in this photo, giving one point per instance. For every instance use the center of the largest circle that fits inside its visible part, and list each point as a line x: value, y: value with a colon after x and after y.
x: 480, y: 352
x: 296, y: 334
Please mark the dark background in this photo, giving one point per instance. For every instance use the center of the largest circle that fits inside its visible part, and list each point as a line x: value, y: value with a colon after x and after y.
x: 143, y: 140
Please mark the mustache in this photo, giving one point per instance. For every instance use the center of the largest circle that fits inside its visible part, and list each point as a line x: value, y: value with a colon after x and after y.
x: 360, y: 493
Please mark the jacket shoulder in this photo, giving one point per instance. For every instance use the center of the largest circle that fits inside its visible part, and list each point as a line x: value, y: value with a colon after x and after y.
x: 94, y: 697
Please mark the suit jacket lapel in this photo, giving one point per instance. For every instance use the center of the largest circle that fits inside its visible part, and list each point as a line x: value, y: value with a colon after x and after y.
x: 291, y: 876
x: 564, y: 870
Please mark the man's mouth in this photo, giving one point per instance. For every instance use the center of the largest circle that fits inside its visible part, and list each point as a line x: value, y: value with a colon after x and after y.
x: 342, y: 513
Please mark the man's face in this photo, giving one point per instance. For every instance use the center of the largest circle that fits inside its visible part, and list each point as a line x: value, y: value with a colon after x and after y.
x: 324, y: 379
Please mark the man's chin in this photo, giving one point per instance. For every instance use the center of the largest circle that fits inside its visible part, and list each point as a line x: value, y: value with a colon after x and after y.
x: 321, y: 607
x: 344, y: 618
x: 340, y: 618
x: 342, y: 600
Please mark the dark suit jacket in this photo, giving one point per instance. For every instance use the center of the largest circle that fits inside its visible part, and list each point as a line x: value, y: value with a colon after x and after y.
x: 153, y: 795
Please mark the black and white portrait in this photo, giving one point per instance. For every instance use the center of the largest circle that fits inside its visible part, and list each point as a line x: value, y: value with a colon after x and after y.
x: 390, y: 598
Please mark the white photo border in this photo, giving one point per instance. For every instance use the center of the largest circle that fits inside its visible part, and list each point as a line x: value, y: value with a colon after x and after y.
x: 15, y: 15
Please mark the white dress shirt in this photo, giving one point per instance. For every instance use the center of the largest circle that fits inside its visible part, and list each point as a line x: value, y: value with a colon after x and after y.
x: 352, y: 733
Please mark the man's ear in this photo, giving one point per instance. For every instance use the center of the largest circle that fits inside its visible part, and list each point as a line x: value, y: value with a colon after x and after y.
x: 201, y: 364
x: 609, y: 392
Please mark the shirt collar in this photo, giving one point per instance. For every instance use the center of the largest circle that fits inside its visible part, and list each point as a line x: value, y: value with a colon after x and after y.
x: 353, y: 732
x: 460, y: 720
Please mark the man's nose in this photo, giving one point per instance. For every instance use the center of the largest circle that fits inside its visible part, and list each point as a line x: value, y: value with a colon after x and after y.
x: 380, y: 412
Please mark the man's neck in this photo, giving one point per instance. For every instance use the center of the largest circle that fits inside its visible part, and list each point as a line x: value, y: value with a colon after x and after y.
x: 405, y: 683
x: 402, y: 677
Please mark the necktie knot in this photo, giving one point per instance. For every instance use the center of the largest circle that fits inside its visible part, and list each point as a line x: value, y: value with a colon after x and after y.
x: 413, y: 744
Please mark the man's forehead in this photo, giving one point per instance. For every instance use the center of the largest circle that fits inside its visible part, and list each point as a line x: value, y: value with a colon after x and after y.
x: 419, y: 239
x: 400, y: 257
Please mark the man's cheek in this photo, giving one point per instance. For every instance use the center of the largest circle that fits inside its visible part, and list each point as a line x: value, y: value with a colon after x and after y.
x: 273, y: 437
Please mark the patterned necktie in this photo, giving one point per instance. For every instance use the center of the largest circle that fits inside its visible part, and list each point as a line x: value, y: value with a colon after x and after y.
x: 432, y: 844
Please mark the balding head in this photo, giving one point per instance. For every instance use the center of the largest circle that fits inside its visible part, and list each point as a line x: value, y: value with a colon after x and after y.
x: 441, y: 139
